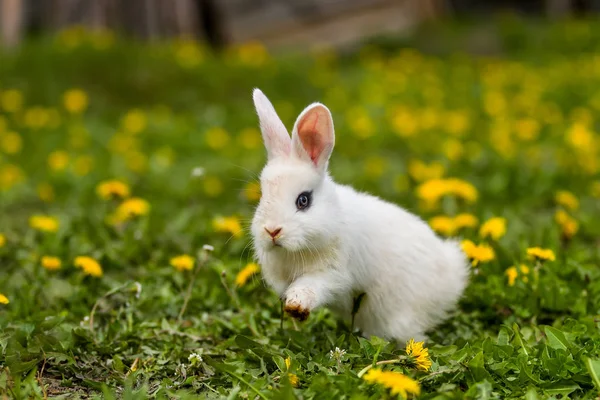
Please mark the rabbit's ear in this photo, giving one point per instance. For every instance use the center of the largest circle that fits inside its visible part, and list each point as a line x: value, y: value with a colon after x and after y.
x: 276, y: 137
x: 313, y: 136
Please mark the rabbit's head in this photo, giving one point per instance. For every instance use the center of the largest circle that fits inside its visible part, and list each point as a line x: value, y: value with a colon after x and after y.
x: 298, y: 205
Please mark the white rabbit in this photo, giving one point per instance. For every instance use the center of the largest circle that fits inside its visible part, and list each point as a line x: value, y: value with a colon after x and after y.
x: 321, y: 243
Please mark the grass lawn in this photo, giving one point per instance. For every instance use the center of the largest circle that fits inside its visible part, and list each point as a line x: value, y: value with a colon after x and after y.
x: 128, y: 179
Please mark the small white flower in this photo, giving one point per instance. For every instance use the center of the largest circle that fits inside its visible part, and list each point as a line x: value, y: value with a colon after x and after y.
x: 198, y: 172
x: 195, y: 359
x: 208, y: 247
x: 138, y: 289
x: 337, y: 354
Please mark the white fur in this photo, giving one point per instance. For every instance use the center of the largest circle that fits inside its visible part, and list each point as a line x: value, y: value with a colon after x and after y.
x: 347, y: 242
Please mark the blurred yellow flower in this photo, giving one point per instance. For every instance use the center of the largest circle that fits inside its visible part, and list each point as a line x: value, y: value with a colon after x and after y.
x: 43, y: 223
x: 45, y: 192
x: 217, y: 138
x: 537, y: 253
x: 188, y: 53
x: 442, y: 224
x: 36, y: 117
x: 527, y: 129
x: 250, y: 138
x: 134, y: 121
x: 245, y: 274
x: 457, y: 122
x: 3, y: 299
x: 566, y: 199
x: 75, y: 101
x: 481, y: 253
x: 399, y: 384
x: 10, y: 175
x: 595, y: 189
x: 465, y: 220
x: 493, y: 228
x: 512, y: 274
x: 182, y: 262
x: 252, y: 191
x: 294, y: 381
x: 213, y: 186
x: 420, y: 171
x: 131, y: 208
x: 404, y: 123
x: 11, y: 100
x: 580, y: 137
x: 51, y: 263
x: 136, y: 161
x: 434, y: 189
x: 228, y: 224
x: 360, y: 122
x: 58, y: 160
x: 11, y: 143
x: 375, y: 166
x: 569, y: 226
x: 453, y: 149
x: 252, y: 53
x: 2, y: 240
x: 88, y: 265
x: 112, y: 189
x: 82, y: 165
x: 419, y: 353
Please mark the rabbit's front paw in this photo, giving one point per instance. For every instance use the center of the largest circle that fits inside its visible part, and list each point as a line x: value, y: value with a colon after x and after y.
x: 299, y: 302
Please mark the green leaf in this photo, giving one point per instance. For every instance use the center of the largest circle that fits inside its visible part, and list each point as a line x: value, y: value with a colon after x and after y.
x: 556, y: 338
x: 593, y: 367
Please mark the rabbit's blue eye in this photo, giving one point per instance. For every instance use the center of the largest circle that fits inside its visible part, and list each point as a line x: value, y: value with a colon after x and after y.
x: 303, y: 201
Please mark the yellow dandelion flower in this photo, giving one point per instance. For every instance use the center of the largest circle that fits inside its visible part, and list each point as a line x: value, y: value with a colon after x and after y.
x: 182, y: 262
x: 537, y: 253
x: 512, y: 274
x: 465, y: 220
x: 252, y: 191
x: 399, y: 384
x: 43, y: 223
x: 83, y: 165
x: 11, y: 100
x: 75, y: 101
x: 131, y: 208
x: 188, y: 54
x: 567, y: 200
x: 419, y: 353
x: 112, y: 188
x: 434, y: 189
x: 134, y: 121
x: 2, y: 240
x: 568, y: 225
x: 217, y: 138
x: 88, y: 265
x: 443, y: 225
x: 250, y: 138
x: 478, y: 253
x: 252, y: 53
x: 493, y: 228
x: 11, y: 143
x: 213, y: 186
x: 228, y: 224
x: 45, y: 192
x: 58, y: 160
x: 294, y: 381
x: 51, y: 263
x: 595, y: 189
x: 10, y: 175
x: 3, y: 299
x: 420, y: 171
x: 242, y: 277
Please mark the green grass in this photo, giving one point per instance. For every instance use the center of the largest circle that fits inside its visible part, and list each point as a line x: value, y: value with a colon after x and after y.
x: 519, y: 126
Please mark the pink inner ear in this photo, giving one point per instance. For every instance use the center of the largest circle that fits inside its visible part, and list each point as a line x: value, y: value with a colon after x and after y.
x: 311, y: 139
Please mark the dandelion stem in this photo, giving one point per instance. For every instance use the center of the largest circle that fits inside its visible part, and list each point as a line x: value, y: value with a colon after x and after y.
x: 368, y: 367
x: 188, y: 293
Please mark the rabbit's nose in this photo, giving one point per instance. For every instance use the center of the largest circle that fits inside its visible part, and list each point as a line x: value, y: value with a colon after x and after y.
x: 273, y: 232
